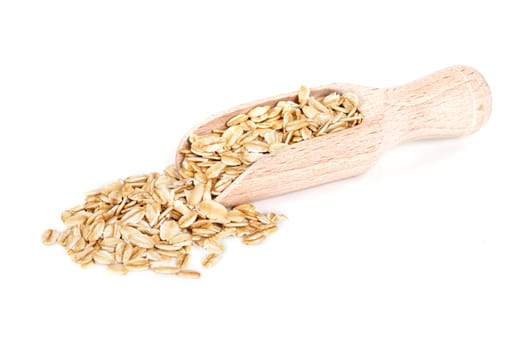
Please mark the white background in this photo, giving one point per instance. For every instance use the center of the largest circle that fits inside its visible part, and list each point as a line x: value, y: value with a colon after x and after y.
x: 425, y: 251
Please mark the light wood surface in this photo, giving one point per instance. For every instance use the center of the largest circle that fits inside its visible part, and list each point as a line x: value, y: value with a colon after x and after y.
x: 453, y: 102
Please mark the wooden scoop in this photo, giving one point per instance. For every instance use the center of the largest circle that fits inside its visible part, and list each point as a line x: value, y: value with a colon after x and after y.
x: 455, y: 101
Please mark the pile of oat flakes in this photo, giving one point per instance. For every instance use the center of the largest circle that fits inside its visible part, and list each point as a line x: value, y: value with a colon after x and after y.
x: 153, y: 221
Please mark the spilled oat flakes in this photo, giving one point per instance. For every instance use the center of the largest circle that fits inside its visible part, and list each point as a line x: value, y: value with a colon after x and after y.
x: 153, y: 221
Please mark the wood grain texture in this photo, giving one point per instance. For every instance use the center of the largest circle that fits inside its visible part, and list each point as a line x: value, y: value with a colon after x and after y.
x: 453, y: 102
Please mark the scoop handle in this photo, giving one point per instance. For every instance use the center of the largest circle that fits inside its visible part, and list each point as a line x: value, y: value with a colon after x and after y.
x: 455, y: 101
